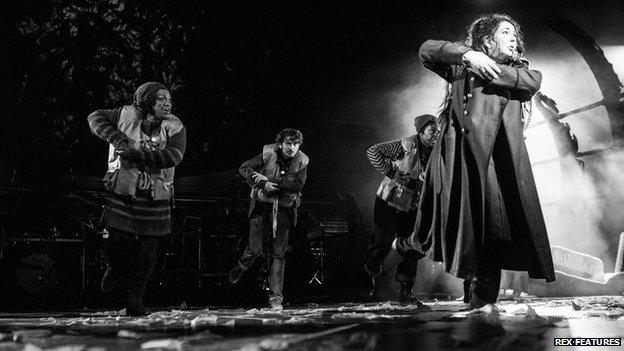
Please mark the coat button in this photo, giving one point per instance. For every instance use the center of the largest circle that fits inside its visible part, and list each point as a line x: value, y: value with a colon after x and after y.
x: 466, y: 113
x: 470, y: 96
x: 472, y: 78
x: 465, y: 131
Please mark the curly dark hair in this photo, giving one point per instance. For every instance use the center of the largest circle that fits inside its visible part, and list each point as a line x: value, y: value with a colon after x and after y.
x: 145, y: 97
x: 481, y: 27
x: 293, y: 134
x: 485, y: 25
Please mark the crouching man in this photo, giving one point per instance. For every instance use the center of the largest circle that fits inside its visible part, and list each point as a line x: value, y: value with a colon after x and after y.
x: 276, y: 176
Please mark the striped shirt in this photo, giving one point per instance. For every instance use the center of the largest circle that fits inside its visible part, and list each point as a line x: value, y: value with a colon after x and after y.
x: 141, y: 214
x: 382, y: 154
x: 103, y: 123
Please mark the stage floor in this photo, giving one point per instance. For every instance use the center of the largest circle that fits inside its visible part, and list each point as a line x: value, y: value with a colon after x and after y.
x: 527, y: 324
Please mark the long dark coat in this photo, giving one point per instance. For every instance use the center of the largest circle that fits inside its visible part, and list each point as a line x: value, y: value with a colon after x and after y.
x: 479, y: 196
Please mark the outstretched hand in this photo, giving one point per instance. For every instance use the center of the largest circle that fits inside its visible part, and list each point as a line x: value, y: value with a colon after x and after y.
x: 481, y: 65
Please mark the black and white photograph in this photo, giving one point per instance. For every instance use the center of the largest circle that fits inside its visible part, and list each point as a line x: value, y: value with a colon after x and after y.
x: 263, y: 175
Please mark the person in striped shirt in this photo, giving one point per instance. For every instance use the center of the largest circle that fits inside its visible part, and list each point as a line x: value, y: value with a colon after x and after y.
x: 403, y: 163
x: 146, y: 142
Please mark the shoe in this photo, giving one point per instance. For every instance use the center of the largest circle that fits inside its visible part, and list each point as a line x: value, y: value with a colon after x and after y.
x: 108, y: 280
x: 368, y: 281
x: 407, y: 296
x: 135, y: 308
x: 276, y: 304
x: 476, y: 302
x: 236, y: 273
x: 482, y: 292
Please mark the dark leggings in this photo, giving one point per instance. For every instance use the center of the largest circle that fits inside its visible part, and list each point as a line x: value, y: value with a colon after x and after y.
x: 133, y: 258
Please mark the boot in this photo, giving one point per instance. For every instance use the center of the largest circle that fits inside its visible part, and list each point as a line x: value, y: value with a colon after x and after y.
x: 466, y: 290
x: 406, y: 295
x: 480, y: 292
x: 140, y: 266
x: 134, y: 307
x: 276, y: 304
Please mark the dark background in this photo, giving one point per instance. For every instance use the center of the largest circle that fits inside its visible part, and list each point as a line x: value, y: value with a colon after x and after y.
x: 239, y: 72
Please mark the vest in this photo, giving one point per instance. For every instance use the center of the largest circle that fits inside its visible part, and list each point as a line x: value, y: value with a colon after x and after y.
x: 123, y: 177
x: 273, y: 173
x: 396, y: 195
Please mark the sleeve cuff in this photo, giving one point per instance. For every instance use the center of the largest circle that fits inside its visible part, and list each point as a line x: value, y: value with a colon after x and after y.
x: 117, y: 138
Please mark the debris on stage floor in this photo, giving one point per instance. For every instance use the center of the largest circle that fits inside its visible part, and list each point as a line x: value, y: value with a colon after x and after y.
x: 527, y: 324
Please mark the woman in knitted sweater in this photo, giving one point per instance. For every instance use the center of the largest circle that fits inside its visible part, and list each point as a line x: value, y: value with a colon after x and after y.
x: 146, y: 143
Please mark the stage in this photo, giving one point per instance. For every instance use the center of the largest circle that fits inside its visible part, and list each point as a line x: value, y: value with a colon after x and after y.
x: 526, y: 175
x: 525, y: 324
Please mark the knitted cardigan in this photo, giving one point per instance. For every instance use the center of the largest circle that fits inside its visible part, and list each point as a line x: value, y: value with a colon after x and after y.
x: 139, y: 215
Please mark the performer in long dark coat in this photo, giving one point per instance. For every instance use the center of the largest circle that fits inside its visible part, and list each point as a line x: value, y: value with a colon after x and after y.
x: 479, y: 210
